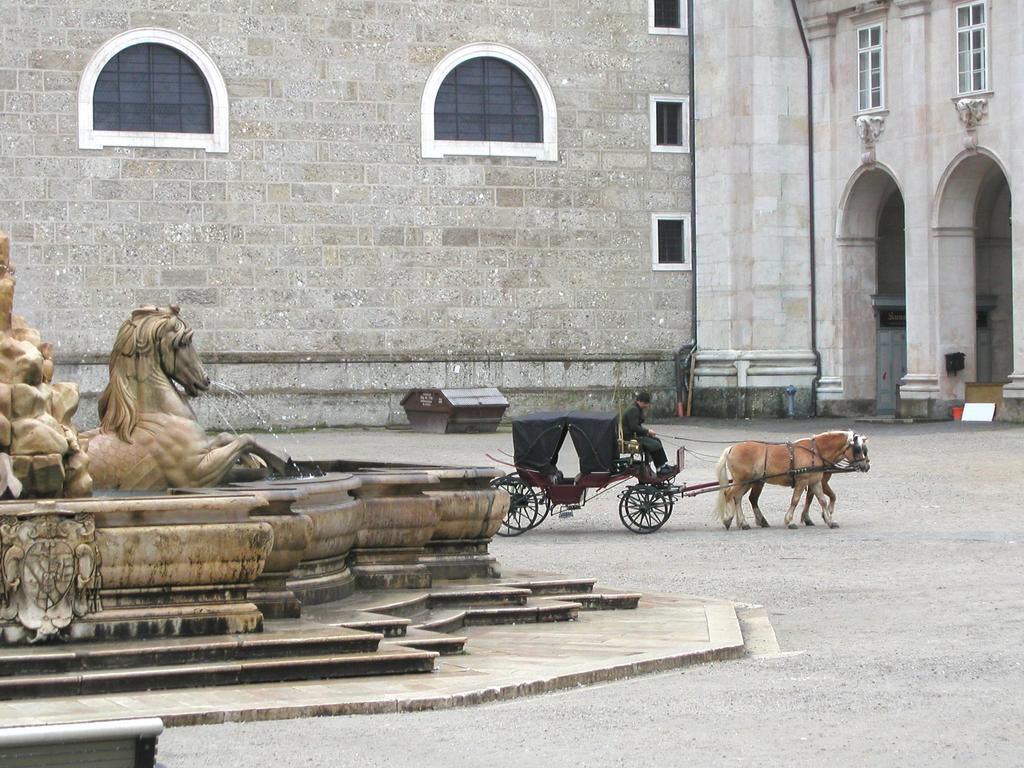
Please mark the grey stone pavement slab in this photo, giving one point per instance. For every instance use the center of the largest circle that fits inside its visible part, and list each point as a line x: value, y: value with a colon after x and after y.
x: 901, y: 631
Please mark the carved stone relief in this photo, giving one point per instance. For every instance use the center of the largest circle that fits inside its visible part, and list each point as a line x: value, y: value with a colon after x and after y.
x: 49, y: 569
x: 869, y: 129
x: 972, y: 112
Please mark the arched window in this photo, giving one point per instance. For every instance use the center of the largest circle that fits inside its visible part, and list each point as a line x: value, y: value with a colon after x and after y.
x: 487, y: 99
x: 152, y: 87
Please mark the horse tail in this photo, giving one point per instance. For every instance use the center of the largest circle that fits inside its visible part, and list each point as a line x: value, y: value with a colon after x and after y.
x: 721, y: 510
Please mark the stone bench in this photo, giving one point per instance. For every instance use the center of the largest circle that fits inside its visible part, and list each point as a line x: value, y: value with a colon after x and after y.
x: 104, y: 744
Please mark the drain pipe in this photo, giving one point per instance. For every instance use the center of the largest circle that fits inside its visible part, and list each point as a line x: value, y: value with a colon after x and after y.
x: 810, y: 191
x: 689, y: 351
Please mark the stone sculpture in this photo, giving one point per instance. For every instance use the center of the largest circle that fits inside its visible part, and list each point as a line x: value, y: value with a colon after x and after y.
x: 149, y: 438
x: 972, y: 112
x: 869, y: 129
x: 40, y: 456
x: 49, y: 569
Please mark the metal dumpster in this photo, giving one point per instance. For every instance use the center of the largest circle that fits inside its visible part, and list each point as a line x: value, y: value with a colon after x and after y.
x: 454, y: 410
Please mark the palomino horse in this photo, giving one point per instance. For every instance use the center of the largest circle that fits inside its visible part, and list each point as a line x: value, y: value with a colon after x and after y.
x: 149, y: 438
x: 803, y: 465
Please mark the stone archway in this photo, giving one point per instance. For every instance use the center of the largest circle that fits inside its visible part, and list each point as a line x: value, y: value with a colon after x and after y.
x: 972, y: 240
x: 870, y: 242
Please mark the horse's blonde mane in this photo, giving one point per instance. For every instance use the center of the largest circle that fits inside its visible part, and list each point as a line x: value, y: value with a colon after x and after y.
x: 137, y: 341
x: 847, y: 433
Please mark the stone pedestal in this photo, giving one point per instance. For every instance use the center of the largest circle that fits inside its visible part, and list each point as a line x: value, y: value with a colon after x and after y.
x: 468, y: 520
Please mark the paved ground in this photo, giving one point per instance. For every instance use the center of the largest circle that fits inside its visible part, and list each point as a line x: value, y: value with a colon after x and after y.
x: 907, y: 624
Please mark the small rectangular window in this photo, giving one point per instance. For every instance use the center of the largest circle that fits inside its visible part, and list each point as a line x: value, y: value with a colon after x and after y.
x: 666, y: 13
x: 666, y: 17
x: 971, y: 48
x: 670, y: 124
x: 870, y: 61
x: 670, y: 241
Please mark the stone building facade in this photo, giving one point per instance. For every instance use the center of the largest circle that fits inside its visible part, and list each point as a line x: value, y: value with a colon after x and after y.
x: 329, y: 253
x: 847, y: 179
x: 911, y: 255
x: 918, y: 111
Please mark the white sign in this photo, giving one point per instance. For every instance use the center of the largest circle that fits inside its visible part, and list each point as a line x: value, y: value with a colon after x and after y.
x: 979, y: 412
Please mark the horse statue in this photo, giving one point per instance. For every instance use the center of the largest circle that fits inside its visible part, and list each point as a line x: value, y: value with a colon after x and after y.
x: 804, y: 465
x: 149, y: 438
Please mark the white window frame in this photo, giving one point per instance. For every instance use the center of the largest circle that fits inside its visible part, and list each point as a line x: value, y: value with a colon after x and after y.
x: 90, y: 138
x: 985, y: 46
x: 686, y: 265
x: 881, y: 68
x: 682, y: 29
x: 656, y: 99
x: 431, y: 147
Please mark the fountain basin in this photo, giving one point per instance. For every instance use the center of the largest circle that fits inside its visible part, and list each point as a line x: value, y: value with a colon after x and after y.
x: 319, y: 571
x: 375, y: 526
x: 203, y: 561
x: 164, y: 565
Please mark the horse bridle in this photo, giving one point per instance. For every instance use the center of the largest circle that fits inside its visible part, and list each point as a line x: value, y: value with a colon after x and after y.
x: 860, y: 452
x: 860, y: 455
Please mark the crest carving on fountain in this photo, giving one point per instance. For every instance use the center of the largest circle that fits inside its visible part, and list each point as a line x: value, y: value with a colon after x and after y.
x: 49, y: 569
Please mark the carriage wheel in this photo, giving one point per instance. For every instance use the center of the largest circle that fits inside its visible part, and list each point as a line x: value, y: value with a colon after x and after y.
x: 527, y: 508
x: 645, y: 508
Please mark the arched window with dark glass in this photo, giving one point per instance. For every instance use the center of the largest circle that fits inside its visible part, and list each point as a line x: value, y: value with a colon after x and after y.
x: 152, y: 87
x: 487, y: 99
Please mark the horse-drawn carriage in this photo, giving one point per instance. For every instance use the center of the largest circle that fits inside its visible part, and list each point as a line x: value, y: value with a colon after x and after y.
x: 606, y: 459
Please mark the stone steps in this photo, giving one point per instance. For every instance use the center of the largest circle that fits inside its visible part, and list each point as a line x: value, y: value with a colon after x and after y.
x: 449, y: 607
x: 412, y: 602
x: 604, y: 601
x: 392, y: 660
x: 532, y: 613
x: 307, y: 653
x: 389, y: 626
x: 82, y: 657
x: 554, y: 586
x: 425, y: 640
x: 378, y: 632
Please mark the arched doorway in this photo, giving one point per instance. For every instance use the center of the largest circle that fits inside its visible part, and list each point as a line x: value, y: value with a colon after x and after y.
x: 973, y: 244
x: 994, y: 276
x: 871, y: 258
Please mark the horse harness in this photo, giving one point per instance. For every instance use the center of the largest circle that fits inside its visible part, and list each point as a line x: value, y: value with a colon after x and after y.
x: 793, y: 469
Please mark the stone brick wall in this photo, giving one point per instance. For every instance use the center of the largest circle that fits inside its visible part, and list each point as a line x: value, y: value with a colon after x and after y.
x: 323, y: 263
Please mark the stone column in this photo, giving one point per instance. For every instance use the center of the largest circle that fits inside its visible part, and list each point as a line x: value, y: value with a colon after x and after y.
x: 921, y: 384
x: 956, y: 314
x: 1013, y: 393
x: 821, y: 32
x: 857, y: 259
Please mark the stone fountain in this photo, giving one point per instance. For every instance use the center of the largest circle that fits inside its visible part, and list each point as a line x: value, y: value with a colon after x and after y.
x: 190, y: 536
x: 204, y: 561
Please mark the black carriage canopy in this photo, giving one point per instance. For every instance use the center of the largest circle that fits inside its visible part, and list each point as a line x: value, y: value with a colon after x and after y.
x: 538, y: 437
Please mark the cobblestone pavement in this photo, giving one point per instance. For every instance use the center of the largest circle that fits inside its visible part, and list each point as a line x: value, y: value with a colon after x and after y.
x: 902, y: 628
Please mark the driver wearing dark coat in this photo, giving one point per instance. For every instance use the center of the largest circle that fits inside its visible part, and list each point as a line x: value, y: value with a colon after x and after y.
x: 633, y: 429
